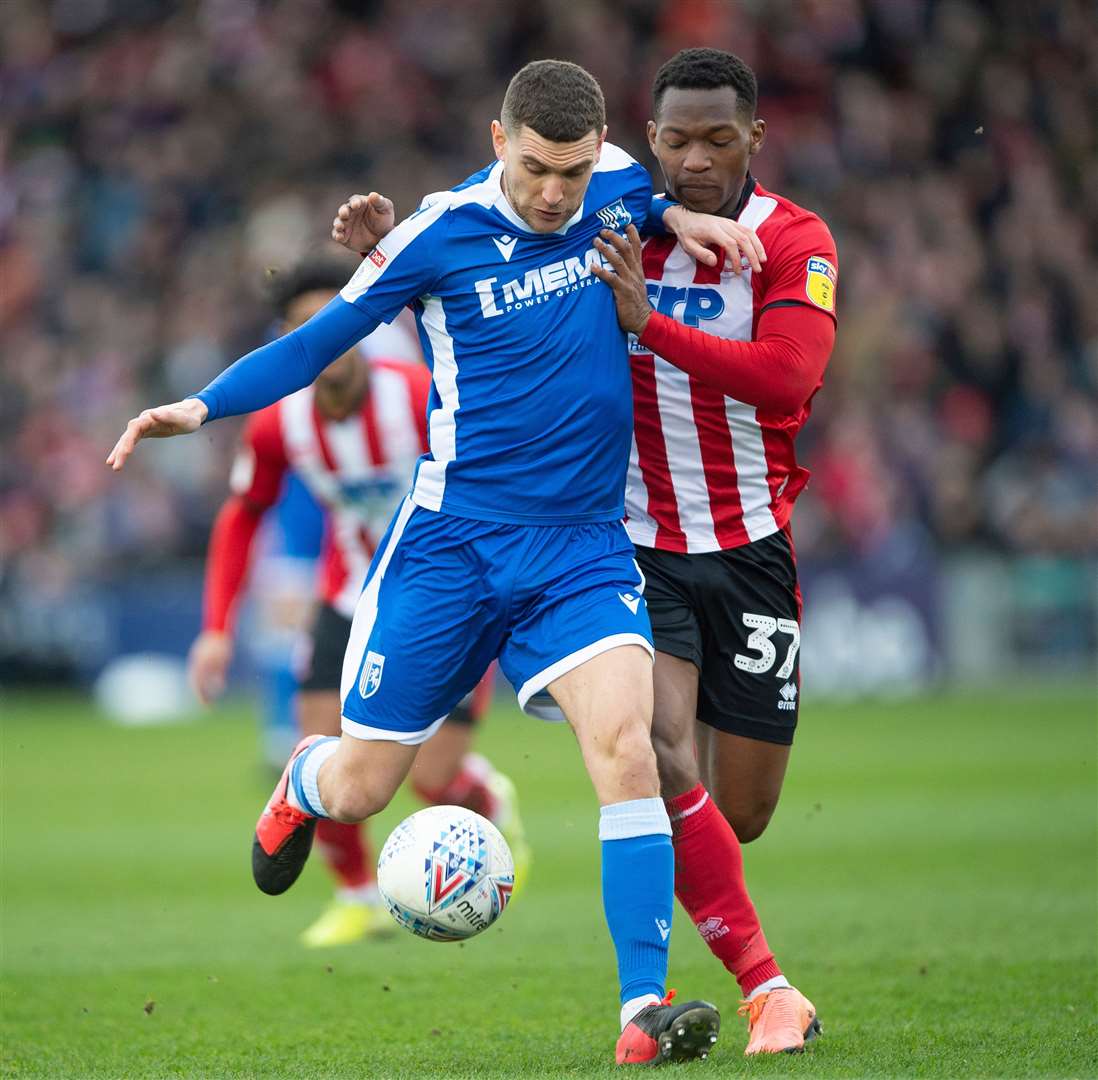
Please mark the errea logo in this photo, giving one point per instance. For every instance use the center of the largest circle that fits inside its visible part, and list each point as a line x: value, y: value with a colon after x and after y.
x: 788, y: 695
x: 712, y: 928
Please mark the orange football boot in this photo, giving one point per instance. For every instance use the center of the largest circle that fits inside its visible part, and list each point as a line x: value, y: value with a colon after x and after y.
x: 283, y: 834
x: 779, y: 1022
x: 666, y: 1032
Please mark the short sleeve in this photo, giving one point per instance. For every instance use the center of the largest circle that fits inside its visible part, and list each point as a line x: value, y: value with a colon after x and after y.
x: 404, y: 266
x: 802, y: 266
x: 260, y: 463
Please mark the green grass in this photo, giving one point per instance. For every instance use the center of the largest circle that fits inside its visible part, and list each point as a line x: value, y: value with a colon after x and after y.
x: 929, y: 880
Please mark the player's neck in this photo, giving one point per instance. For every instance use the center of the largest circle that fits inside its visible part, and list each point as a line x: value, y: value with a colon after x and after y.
x: 734, y: 206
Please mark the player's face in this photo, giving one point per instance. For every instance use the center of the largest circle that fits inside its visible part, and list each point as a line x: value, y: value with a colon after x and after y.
x: 704, y: 143
x: 545, y: 181
x: 341, y: 384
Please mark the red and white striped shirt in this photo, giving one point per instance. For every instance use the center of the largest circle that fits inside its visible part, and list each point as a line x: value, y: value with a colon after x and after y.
x: 357, y: 469
x: 709, y: 472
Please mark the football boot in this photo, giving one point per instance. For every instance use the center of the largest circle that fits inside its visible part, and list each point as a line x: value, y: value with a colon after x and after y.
x: 664, y: 1033
x: 283, y: 834
x: 779, y: 1022
x: 509, y: 822
x: 345, y: 921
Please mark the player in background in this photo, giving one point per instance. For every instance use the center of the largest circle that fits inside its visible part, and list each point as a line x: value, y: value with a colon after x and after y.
x: 352, y: 439
x: 724, y: 371
x: 511, y: 537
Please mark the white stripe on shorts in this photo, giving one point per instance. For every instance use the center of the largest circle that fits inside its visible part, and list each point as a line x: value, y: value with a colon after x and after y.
x: 366, y: 608
x: 536, y: 683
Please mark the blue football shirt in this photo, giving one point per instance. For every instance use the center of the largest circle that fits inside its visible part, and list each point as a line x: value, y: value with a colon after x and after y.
x: 530, y: 415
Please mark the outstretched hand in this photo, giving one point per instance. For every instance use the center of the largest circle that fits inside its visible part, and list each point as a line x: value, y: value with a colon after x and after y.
x: 208, y: 664
x: 179, y: 418
x: 624, y: 273
x: 698, y: 233
x: 362, y: 221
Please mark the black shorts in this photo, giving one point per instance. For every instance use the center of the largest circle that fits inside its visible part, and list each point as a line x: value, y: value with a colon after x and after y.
x: 323, y: 666
x: 736, y: 616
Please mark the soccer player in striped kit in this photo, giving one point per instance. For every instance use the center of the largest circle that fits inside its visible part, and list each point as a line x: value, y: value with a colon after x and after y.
x: 723, y: 375
x: 725, y: 366
x: 352, y: 437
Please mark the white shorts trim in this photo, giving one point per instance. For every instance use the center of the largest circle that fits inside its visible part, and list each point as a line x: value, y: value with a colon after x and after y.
x: 537, y: 683
x: 376, y: 734
x: 365, y: 615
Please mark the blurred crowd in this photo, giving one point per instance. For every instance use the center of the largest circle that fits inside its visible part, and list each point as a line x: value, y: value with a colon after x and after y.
x: 162, y: 160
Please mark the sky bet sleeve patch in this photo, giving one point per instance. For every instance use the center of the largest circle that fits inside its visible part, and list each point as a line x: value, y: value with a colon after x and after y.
x: 819, y: 283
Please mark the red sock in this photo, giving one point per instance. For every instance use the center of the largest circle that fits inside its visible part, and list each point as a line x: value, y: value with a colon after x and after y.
x: 344, y: 850
x: 709, y: 884
x: 469, y: 788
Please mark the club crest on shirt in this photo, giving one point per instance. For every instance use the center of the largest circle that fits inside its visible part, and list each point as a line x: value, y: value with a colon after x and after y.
x: 615, y: 216
x: 819, y: 283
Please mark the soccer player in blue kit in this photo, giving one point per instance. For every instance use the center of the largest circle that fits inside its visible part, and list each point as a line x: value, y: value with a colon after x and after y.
x: 510, y: 544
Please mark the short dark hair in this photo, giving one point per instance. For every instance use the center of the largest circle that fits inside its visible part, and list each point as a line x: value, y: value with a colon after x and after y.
x: 558, y: 100
x: 313, y: 275
x: 707, y: 69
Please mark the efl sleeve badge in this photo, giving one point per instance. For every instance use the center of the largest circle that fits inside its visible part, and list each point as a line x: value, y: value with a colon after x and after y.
x: 820, y: 282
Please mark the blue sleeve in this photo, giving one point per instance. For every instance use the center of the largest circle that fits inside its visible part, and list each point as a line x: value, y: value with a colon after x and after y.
x: 406, y: 263
x: 653, y: 224
x: 275, y: 370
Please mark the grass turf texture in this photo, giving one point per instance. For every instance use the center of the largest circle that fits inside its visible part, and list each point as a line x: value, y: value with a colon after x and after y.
x: 929, y: 881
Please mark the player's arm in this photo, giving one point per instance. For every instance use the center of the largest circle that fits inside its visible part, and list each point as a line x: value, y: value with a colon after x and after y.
x: 381, y: 286
x: 256, y: 380
x: 777, y: 372
x: 364, y: 220
x: 256, y: 482
x: 702, y: 236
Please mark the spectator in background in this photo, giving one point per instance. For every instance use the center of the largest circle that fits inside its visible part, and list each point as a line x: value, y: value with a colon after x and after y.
x: 155, y: 158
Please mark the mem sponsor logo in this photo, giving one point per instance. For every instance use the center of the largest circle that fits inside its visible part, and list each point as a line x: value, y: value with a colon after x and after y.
x: 788, y: 695
x: 712, y: 928
x: 537, y: 286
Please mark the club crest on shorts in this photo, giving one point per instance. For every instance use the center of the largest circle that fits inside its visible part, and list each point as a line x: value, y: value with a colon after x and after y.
x: 370, y: 679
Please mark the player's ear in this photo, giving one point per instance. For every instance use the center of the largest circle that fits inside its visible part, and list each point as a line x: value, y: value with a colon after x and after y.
x: 499, y: 140
x: 758, y: 136
x: 652, y: 135
x: 598, y: 145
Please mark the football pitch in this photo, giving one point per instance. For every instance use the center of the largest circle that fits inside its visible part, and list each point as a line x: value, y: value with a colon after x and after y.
x: 929, y: 881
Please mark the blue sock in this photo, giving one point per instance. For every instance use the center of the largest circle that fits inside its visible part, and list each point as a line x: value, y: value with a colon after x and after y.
x: 303, y: 775
x: 638, y: 892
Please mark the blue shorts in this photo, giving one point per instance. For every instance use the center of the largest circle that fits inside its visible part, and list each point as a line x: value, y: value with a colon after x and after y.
x: 445, y: 596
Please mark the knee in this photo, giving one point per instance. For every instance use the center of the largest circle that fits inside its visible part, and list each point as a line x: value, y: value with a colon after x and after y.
x: 352, y: 803
x: 631, y: 759
x: 749, y: 821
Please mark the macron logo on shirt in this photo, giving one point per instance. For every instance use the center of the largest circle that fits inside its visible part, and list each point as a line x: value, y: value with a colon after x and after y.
x: 506, y: 245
